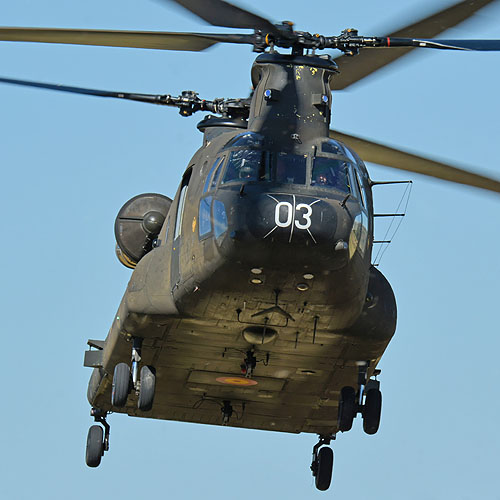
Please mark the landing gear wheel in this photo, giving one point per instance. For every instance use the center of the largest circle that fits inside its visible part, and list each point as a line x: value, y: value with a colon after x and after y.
x: 347, y: 408
x: 95, y: 446
x: 324, y: 469
x: 147, y: 388
x: 121, y: 385
x: 371, y: 411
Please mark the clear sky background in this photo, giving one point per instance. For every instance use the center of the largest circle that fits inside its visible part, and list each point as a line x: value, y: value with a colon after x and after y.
x: 69, y: 162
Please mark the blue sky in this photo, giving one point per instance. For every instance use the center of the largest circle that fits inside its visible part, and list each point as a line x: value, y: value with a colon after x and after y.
x: 69, y: 163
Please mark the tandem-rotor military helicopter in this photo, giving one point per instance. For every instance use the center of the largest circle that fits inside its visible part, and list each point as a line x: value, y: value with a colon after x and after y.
x: 258, y: 273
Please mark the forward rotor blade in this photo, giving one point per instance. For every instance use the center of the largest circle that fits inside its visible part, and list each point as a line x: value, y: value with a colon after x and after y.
x: 220, y: 13
x: 384, y: 155
x: 150, y: 98
x: 138, y: 39
x: 484, y: 45
x: 354, y: 69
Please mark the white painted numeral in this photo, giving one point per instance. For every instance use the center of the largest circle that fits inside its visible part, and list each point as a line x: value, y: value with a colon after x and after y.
x: 306, y: 216
x: 289, y: 216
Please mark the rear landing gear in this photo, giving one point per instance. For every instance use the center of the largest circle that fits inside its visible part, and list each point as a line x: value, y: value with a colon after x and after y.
x: 97, y: 439
x: 322, y: 463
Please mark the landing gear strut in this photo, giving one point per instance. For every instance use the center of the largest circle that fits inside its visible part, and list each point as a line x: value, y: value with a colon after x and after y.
x: 97, y: 439
x: 322, y: 463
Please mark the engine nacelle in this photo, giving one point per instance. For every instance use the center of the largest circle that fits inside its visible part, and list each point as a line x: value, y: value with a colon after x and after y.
x: 138, y: 224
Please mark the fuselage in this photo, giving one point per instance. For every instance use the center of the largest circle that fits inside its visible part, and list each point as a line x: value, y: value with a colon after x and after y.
x: 271, y: 229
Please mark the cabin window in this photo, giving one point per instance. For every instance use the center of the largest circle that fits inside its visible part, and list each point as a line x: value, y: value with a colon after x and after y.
x: 244, y: 164
x: 204, y: 226
x: 180, y: 205
x: 332, y: 173
x: 289, y: 168
x: 220, y: 219
x: 167, y: 229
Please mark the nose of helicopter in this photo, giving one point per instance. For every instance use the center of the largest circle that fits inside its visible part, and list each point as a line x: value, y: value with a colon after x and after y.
x: 288, y: 229
x: 291, y: 219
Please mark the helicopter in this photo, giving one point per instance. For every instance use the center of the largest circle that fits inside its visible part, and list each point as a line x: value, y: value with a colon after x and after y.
x: 292, y: 217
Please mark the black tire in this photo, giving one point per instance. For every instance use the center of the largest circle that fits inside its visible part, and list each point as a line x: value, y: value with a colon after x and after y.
x: 371, y: 411
x: 121, y: 385
x: 325, y: 468
x: 95, y: 446
x: 347, y: 408
x: 147, y: 390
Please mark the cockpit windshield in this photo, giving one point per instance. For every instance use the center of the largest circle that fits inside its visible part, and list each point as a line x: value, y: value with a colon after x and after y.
x: 329, y: 172
x: 245, y: 164
x: 332, y: 146
x: 289, y: 168
x: 248, y: 161
x: 246, y: 139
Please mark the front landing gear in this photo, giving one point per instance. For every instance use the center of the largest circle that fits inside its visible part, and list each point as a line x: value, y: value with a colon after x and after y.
x: 322, y: 463
x: 97, y: 439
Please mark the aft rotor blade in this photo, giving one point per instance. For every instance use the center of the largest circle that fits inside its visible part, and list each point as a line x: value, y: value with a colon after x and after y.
x: 138, y: 39
x: 354, y: 69
x: 390, y: 157
x: 220, y: 13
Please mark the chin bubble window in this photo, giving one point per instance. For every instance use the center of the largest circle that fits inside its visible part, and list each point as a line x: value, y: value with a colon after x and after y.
x: 220, y: 218
x: 205, y: 226
x: 330, y: 173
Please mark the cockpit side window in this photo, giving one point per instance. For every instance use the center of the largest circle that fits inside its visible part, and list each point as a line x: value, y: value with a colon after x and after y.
x: 216, y: 176
x: 361, y: 189
x: 330, y: 172
x: 349, y: 155
x: 210, y: 175
x: 289, y: 168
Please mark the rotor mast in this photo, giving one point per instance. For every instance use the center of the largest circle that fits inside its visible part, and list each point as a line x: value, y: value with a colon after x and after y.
x: 292, y: 100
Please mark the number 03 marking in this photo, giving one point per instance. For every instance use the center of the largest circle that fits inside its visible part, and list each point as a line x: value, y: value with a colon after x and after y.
x: 290, y: 212
x: 306, y: 216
